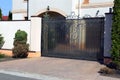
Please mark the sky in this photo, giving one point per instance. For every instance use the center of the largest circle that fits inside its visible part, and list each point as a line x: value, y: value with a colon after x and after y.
x: 6, y: 6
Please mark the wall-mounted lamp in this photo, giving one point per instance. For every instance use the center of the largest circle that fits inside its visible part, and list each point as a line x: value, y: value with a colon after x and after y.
x: 110, y: 10
x: 48, y: 8
x: 46, y: 15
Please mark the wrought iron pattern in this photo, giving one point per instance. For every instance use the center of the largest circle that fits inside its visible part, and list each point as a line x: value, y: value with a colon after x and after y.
x: 81, y: 38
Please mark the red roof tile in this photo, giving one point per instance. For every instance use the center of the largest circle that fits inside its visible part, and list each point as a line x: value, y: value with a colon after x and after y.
x: 4, y: 18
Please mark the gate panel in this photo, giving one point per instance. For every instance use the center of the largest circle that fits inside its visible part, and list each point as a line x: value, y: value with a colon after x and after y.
x: 79, y: 39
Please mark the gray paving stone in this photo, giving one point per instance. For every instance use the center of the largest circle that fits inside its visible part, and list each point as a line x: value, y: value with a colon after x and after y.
x: 63, y: 69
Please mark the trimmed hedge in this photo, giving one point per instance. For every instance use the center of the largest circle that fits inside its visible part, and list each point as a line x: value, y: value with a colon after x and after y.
x: 21, y: 47
x: 115, y: 51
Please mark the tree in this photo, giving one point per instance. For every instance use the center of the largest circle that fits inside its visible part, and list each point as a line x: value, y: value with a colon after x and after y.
x: 10, y: 16
x: 0, y: 14
x: 115, y: 51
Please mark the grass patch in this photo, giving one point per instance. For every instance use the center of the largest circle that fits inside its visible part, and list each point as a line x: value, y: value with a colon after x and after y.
x: 2, y: 55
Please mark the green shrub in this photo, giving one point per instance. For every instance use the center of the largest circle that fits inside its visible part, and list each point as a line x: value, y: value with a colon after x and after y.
x: 21, y: 47
x: 115, y: 51
x: 21, y: 36
x: 2, y: 55
x: 1, y: 41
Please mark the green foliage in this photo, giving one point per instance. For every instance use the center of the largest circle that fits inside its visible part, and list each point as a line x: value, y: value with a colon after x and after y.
x: 115, y: 51
x: 21, y: 47
x: 21, y: 36
x: 0, y: 14
x: 10, y: 16
x: 20, y: 51
x: 1, y: 41
x: 2, y: 55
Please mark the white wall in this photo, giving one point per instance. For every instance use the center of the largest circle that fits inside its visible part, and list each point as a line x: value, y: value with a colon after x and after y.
x: 92, y: 11
x: 19, y: 5
x: 33, y: 29
x: 61, y: 6
x: 35, y: 34
x: 36, y: 6
x: 9, y: 28
x: 19, y: 16
x: 19, y: 9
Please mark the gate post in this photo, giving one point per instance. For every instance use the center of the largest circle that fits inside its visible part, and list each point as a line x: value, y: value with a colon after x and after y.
x: 35, y: 33
x: 107, y: 36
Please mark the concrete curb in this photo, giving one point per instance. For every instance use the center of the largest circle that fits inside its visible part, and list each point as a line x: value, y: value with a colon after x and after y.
x: 30, y: 75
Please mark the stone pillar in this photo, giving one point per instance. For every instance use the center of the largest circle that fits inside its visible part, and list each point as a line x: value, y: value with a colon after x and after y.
x: 107, y: 36
x: 35, y: 31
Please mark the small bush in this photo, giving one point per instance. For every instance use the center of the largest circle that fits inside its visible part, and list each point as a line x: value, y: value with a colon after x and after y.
x: 21, y: 47
x: 1, y: 41
x: 106, y: 70
x: 20, y: 51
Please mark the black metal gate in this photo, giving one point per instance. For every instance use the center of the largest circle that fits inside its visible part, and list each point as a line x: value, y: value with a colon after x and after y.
x: 79, y: 39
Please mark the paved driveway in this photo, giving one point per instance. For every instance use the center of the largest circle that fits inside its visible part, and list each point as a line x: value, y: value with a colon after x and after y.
x: 46, y: 68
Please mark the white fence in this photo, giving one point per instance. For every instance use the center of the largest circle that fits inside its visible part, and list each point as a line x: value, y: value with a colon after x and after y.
x: 9, y: 28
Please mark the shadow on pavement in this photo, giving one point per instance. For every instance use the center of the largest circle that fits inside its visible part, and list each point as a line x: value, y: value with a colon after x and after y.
x: 8, y: 59
x: 115, y: 75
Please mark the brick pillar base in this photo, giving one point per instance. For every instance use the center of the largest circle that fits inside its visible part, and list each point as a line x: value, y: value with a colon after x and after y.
x: 107, y: 60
